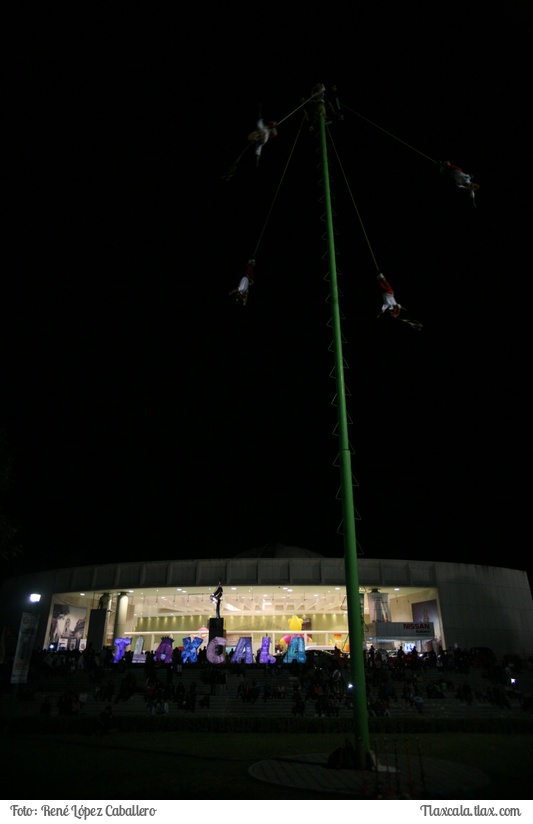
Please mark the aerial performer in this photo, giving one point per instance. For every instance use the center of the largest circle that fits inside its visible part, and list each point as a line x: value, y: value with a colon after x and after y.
x: 323, y: 104
x: 262, y: 134
x: 390, y: 303
x: 462, y: 180
x: 387, y: 295
x: 318, y: 93
x: 256, y: 140
x: 242, y: 290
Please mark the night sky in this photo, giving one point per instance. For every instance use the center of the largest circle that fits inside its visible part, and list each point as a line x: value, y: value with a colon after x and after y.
x: 150, y: 417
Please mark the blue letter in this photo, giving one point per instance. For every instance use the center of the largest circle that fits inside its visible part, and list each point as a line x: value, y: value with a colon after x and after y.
x: 189, y: 650
x: 296, y: 651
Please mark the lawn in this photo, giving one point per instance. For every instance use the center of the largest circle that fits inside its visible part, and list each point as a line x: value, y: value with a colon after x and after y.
x: 140, y: 766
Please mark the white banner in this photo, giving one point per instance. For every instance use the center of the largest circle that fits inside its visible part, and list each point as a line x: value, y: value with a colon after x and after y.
x: 26, y: 639
x: 403, y: 630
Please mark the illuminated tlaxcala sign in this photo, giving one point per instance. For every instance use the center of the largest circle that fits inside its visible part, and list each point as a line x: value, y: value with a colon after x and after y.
x: 243, y: 652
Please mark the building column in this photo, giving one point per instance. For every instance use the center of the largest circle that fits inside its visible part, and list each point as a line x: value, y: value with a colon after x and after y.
x: 121, y: 615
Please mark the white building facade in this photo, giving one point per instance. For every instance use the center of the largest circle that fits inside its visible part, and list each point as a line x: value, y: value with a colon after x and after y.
x: 278, y: 592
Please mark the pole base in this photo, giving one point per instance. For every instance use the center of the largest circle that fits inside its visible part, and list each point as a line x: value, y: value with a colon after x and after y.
x: 375, y: 765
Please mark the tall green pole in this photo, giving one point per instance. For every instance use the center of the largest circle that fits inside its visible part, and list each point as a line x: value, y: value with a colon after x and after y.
x: 355, y: 627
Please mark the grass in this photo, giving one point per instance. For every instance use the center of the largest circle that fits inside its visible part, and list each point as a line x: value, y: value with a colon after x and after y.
x: 138, y: 766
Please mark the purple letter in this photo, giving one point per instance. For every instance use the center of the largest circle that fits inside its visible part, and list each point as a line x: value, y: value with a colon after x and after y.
x: 243, y: 650
x: 212, y: 656
x: 264, y: 657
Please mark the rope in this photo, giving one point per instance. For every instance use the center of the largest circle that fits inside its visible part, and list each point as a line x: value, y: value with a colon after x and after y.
x: 390, y: 134
x: 304, y: 103
x: 354, y: 203
x: 278, y: 188
x: 415, y: 324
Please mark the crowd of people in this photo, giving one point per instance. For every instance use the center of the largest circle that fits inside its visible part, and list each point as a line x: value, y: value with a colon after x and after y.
x: 320, y: 688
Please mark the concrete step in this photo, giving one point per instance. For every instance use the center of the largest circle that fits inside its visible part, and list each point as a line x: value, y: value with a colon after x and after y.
x: 224, y: 699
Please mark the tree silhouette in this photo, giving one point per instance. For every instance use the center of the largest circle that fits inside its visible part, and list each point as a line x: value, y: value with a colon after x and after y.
x: 10, y: 546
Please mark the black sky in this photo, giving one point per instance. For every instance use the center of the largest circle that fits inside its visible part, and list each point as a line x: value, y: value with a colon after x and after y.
x: 150, y: 417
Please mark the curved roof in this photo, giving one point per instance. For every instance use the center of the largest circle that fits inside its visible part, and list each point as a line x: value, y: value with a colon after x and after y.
x: 278, y: 551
